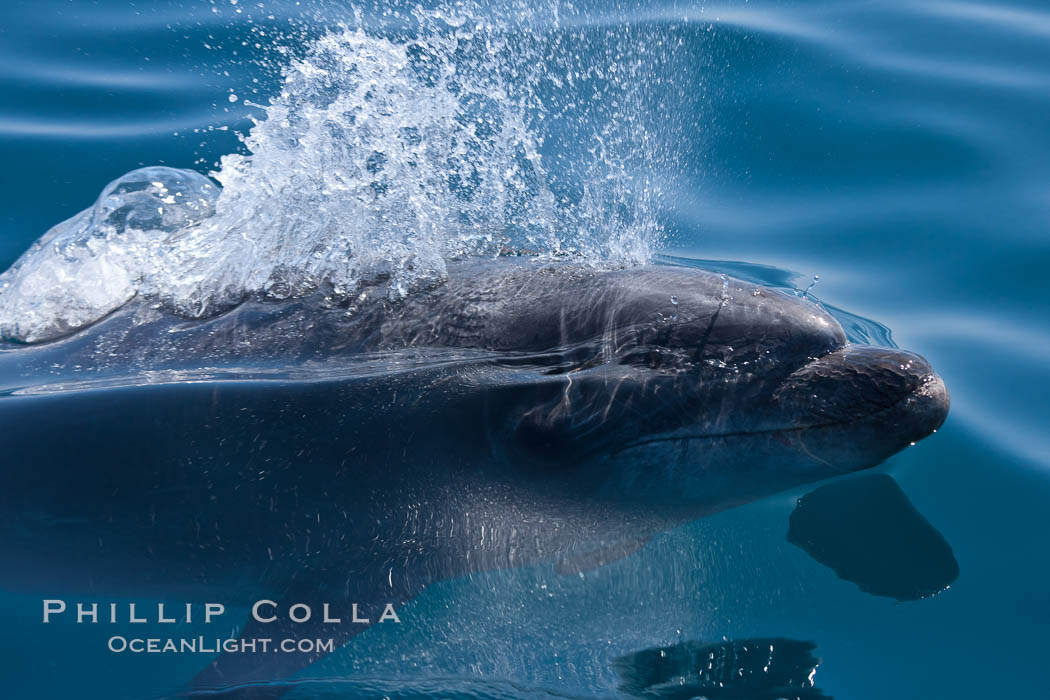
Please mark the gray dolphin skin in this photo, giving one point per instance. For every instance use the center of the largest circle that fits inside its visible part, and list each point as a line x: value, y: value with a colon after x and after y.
x: 517, y: 413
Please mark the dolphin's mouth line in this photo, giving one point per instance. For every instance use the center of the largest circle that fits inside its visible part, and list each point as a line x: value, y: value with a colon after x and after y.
x: 797, y: 429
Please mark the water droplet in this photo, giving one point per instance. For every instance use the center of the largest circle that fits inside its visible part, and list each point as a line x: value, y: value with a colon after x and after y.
x: 233, y: 97
x: 816, y: 278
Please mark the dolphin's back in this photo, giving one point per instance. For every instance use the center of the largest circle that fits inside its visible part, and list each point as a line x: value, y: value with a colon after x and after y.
x: 554, y: 313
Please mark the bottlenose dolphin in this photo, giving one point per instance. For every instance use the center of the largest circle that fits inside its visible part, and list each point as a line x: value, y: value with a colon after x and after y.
x: 517, y: 412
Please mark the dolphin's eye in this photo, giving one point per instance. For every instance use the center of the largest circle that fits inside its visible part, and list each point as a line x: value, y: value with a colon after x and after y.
x: 642, y: 357
x: 653, y: 358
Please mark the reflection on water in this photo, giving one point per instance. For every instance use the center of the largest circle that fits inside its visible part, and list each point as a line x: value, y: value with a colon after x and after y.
x: 867, y: 530
x: 757, y: 669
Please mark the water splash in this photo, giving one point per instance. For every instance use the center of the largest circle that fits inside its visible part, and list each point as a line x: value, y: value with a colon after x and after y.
x: 384, y: 156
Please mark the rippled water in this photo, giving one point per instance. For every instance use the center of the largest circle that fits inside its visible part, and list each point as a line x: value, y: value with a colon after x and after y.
x: 898, y: 150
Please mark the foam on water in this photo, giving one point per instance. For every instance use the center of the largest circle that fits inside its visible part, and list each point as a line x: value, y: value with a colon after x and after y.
x: 382, y: 157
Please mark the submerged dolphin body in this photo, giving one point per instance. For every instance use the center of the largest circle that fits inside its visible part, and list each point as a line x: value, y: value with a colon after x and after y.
x: 517, y: 413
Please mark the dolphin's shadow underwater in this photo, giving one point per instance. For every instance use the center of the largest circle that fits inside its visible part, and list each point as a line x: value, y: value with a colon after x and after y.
x: 518, y: 412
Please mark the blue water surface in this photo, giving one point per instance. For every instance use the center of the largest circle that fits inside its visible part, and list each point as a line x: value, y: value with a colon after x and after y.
x: 898, y: 150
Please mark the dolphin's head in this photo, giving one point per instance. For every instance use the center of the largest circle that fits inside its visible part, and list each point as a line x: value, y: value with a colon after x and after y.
x: 706, y: 386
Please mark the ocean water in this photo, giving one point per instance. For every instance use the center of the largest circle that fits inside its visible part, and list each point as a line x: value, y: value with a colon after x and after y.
x: 897, y: 151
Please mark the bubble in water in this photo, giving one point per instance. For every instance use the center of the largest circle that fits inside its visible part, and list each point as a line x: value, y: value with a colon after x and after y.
x: 90, y: 265
x: 157, y: 199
